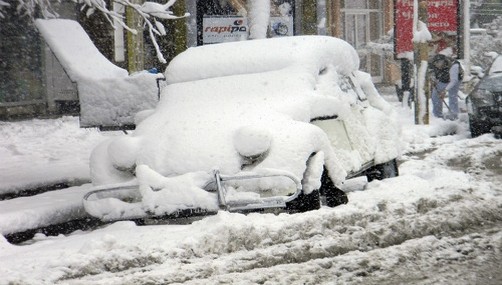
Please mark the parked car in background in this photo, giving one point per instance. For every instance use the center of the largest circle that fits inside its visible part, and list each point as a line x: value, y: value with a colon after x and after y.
x: 484, y: 102
x: 296, y: 106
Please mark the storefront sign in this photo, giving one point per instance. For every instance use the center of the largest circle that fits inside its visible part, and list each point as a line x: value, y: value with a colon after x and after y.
x: 403, y: 27
x: 224, y: 29
x: 442, y: 17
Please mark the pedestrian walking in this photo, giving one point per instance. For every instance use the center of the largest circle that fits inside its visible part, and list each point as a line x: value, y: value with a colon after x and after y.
x: 440, y: 79
x: 452, y: 89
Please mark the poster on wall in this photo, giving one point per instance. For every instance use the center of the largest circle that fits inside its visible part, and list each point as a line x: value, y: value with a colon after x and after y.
x: 220, y: 29
x: 442, y: 22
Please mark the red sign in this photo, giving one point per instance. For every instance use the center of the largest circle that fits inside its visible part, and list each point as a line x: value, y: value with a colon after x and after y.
x: 403, y: 26
x: 442, y: 17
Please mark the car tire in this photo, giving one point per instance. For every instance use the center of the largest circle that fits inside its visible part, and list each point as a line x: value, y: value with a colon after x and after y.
x: 333, y: 195
x: 477, y: 127
x: 305, y: 202
x: 382, y: 171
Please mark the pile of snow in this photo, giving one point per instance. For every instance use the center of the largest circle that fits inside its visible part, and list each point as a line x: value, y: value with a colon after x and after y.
x: 108, y: 95
x: 37, y: 153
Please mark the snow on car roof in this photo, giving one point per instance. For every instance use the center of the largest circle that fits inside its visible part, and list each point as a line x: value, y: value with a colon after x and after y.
x: 246, y: 57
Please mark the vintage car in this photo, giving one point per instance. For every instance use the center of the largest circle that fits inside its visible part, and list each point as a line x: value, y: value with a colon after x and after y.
x: 484, y: 103
x: 270, y: 123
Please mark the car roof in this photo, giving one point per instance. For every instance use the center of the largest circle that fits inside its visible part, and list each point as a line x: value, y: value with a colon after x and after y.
x: 312, y: 53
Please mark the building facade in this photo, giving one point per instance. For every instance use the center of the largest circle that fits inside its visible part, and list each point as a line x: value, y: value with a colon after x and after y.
x: 356, y: 21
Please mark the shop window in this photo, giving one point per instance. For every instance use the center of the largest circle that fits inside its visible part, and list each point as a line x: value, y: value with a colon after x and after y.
x: 363, y: 23
x: 362, y: 4
x: 356, y: 4
x: 356, y: 29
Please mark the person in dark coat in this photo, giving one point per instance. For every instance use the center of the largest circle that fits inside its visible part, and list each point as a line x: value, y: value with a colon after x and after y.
x: 440, y: 78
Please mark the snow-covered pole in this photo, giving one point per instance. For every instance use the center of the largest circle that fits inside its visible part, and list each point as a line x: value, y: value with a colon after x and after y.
x: 135, y: 42
x: 467, y: 34
x: 421, y: 49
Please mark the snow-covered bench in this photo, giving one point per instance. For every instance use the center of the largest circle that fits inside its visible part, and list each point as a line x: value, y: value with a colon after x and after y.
x: 108, y: 95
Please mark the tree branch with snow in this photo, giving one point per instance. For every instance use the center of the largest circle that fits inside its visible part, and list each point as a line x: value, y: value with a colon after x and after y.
x: 150, y: 13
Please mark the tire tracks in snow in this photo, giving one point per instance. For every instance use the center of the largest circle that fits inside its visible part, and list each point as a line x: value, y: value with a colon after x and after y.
x: 314, y: 240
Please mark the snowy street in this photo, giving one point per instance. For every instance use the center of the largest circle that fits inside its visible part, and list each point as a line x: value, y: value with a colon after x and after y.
x: 254, y: 142
x: 439, y: 222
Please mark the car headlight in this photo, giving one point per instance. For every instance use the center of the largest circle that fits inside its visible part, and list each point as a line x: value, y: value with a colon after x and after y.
x: 252, y: 143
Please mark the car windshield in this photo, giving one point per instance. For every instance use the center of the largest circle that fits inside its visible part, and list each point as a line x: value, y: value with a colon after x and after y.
x: 492, y: 83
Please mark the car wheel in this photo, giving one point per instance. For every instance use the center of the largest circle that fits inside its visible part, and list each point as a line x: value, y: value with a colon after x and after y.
x: 305, y: 202
x: 311, y: 201
x: 334, y: 196
x: 384, y: 170
x: 477, y: 127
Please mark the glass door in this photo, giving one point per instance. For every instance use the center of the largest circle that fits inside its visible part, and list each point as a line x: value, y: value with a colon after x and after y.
x: 363, y: 22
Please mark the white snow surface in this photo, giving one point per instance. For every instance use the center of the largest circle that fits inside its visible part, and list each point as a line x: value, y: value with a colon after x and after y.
x: 438, y: 222
x: 76, y: 52
x: 108, y: 95
x: 211, y: 61
x: 421, y: 34
x: 58, y: 152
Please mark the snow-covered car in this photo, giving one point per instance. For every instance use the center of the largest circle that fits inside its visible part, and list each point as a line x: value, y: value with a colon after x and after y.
x: 268, y: 111
x: 484, y: 103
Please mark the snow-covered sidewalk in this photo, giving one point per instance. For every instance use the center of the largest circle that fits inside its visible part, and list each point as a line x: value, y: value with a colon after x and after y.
x: 38, y: 152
